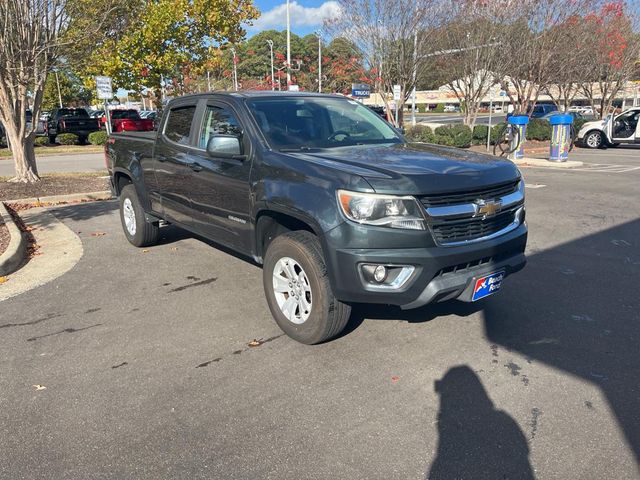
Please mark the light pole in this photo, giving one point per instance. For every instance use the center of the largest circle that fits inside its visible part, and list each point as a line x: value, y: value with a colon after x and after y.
x: 415, y: 73
x: 288, y: 47
x: 319, y: 35
x: 58, y: 84
x: 273, y: 85
x: 235, y: 71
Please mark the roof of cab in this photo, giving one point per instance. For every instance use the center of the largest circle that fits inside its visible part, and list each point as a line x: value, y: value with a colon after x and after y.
x: 260, y: 94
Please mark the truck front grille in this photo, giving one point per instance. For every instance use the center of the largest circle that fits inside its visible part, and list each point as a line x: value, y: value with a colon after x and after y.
x: 471, y: 196
x: 453, y: 231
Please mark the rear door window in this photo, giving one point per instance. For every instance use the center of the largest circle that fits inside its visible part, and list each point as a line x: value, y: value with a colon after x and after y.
x: 178, y: 126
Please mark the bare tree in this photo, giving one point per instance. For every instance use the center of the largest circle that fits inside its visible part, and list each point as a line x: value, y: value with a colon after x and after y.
x: 393, y: 36
x: 33, y: 37
x: 471, y: 44
x: 530, y: 40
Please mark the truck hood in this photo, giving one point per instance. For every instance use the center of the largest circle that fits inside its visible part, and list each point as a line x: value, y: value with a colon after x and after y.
x: 415, y: 168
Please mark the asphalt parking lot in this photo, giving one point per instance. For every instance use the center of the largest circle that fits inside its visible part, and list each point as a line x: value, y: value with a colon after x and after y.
x: 144, y: 355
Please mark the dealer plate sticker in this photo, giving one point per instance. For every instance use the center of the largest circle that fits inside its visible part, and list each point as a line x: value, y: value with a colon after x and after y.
x: 488, y: 285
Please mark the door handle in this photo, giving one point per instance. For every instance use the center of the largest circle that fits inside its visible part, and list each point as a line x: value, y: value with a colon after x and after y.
x: 196, y: 167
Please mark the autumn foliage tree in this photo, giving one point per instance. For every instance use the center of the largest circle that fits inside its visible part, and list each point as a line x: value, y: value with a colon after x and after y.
x: 167, y: 37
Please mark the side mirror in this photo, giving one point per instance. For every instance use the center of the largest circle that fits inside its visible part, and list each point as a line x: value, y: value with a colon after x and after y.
x: 225, y: 145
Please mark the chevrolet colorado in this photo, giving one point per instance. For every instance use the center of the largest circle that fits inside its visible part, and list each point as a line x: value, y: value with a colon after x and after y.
x: 329, y: 198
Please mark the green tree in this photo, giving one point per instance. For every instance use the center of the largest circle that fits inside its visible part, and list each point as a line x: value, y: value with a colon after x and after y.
x: 72, y: 91
x: 170, y: 40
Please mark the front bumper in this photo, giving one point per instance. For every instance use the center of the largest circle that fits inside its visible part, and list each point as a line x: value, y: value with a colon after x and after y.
x: 441, y: 273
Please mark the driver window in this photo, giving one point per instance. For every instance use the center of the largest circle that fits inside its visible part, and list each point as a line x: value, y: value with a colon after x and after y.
x: 218, y: 121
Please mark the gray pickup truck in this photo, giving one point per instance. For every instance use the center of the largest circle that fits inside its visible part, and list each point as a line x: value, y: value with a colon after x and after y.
x: 330, y: 199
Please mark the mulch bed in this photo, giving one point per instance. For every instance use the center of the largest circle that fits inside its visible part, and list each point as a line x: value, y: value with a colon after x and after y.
x: 58, y: 184
x: 4, y: 237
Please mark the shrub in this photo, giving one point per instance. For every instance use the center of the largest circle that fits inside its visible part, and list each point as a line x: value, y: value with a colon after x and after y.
x: 439, y: 108
x: 480, y: 134
x: 68, y: 139
x: 579, y: 123
x: 495, y: 131
x: 3, y: 142
x: 461, y: 135
x: 538, y: 130
x: 444, y: 140
x: 98, y: 138
x: 41, y: 141
x: 420, y: 133
x: 422, y: 108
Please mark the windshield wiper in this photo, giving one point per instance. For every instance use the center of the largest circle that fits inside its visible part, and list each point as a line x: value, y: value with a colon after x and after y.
x: 297, y: 149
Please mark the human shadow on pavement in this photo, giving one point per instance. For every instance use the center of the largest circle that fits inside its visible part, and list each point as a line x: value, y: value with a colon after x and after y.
x: 476, y: 440
x: 576, y: 308
x: 85, y: 211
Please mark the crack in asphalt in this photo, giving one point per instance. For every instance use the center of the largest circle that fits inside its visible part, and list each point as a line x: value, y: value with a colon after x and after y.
x: 32, y: 322
x: 66, y: 330
x: 196, y: 284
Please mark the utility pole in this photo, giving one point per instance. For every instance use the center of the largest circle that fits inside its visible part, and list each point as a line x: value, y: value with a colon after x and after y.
x: 273, y: 85
x: 288, y: 47
x: 58, y: 84
x: 208, y: 81
x: 415, y: 74
x: 319, y: 35
x: 235, y: 71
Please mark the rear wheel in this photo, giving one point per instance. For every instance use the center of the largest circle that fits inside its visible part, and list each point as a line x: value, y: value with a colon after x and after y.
x: 298, y: 290
x: 52, y: 139
x: 138, y: 231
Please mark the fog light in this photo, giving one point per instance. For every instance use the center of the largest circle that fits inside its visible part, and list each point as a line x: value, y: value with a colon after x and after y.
x: 380, y: 273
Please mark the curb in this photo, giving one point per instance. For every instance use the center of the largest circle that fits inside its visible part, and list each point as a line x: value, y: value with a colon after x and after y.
x: 13, y: 257
x: 539, y: 162
x: 73, y: 197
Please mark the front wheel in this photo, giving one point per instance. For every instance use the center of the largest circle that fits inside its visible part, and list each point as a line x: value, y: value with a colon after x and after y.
x: 298, y: 290
x: 594, y: 139
x: 138, y: 231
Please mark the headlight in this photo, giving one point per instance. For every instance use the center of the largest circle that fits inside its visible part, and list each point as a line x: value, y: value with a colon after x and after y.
x: 381, y: 210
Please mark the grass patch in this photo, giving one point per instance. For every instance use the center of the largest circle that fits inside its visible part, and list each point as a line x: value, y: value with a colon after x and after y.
x: 58, y: 150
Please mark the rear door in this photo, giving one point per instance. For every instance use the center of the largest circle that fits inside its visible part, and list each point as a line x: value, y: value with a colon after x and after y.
x: 173, y: 158
x: 219, y: 185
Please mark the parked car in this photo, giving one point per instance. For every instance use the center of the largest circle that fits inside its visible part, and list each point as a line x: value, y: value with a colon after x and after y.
x: 576, y: 116
x: 71, y: 120
x: 542, y: 109
x: 451, y: 108
x: 581, y: 109
x: 380, y: 111
x: 331, y: 200
x: 129, y: 121
x: 41, y: 126
x: 613, y: 130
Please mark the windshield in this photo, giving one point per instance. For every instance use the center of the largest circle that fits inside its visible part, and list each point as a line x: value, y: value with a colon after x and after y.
x: 319, y: 122
x: 72, y: 112
x: 130, y: 114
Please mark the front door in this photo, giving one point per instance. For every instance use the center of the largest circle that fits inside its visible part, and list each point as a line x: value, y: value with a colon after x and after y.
x: 625, y: 127
x: 219, y: 186
x: 172, y: 161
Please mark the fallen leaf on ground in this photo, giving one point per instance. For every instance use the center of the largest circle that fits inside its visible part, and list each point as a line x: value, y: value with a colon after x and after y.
x: 395, y: 379
x: 98, y: 234
x: 39, y: 387
x: 4, y: 280
x: 174, y: 249
x: 254, y: 343
x: 145, y: 250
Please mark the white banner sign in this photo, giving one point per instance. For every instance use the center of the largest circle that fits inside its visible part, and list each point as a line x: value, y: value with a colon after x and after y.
x: 103, y: 86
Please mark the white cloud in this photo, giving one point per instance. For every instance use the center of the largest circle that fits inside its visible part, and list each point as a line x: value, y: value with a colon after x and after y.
x: 300, y: 16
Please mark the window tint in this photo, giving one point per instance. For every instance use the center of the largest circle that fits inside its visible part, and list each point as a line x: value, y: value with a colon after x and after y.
x: 218, y: 121
x: 72, y: 112
x: 179, y: 124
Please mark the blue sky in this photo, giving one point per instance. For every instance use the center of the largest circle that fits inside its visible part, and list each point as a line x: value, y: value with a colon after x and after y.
x: 306, y: 15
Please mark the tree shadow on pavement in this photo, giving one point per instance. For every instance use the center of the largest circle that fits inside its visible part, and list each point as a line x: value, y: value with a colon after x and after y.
x: 576, y: 307
x: 85, y: 211
x: 475, y: 439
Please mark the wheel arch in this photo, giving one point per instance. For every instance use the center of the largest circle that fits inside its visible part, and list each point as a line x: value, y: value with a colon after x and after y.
x: 271, y: 223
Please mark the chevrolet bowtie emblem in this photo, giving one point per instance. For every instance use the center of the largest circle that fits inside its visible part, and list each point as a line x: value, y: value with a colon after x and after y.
x: 487, y: 208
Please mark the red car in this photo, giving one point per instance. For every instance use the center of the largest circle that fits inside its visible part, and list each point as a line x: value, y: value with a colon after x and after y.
x: 128, y: 121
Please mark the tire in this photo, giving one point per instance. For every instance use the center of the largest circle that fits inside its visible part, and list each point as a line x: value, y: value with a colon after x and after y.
x: 138, y: 231
x: 593, y: 139
x: 318, y: 315
x: 82, y: 140
x: 52, y: 139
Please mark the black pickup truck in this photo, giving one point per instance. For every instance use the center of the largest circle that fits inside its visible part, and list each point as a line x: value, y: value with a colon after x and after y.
x: 329, y: 198
x: 71, y: 120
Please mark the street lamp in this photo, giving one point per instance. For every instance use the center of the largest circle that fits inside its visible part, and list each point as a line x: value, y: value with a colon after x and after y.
x: 235, y: 71
x: 318, y: 34
x: 273, y: 85
x: 288, y: 47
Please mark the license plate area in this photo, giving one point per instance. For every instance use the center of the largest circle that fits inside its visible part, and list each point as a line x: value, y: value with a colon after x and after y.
x: 487, y: 285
